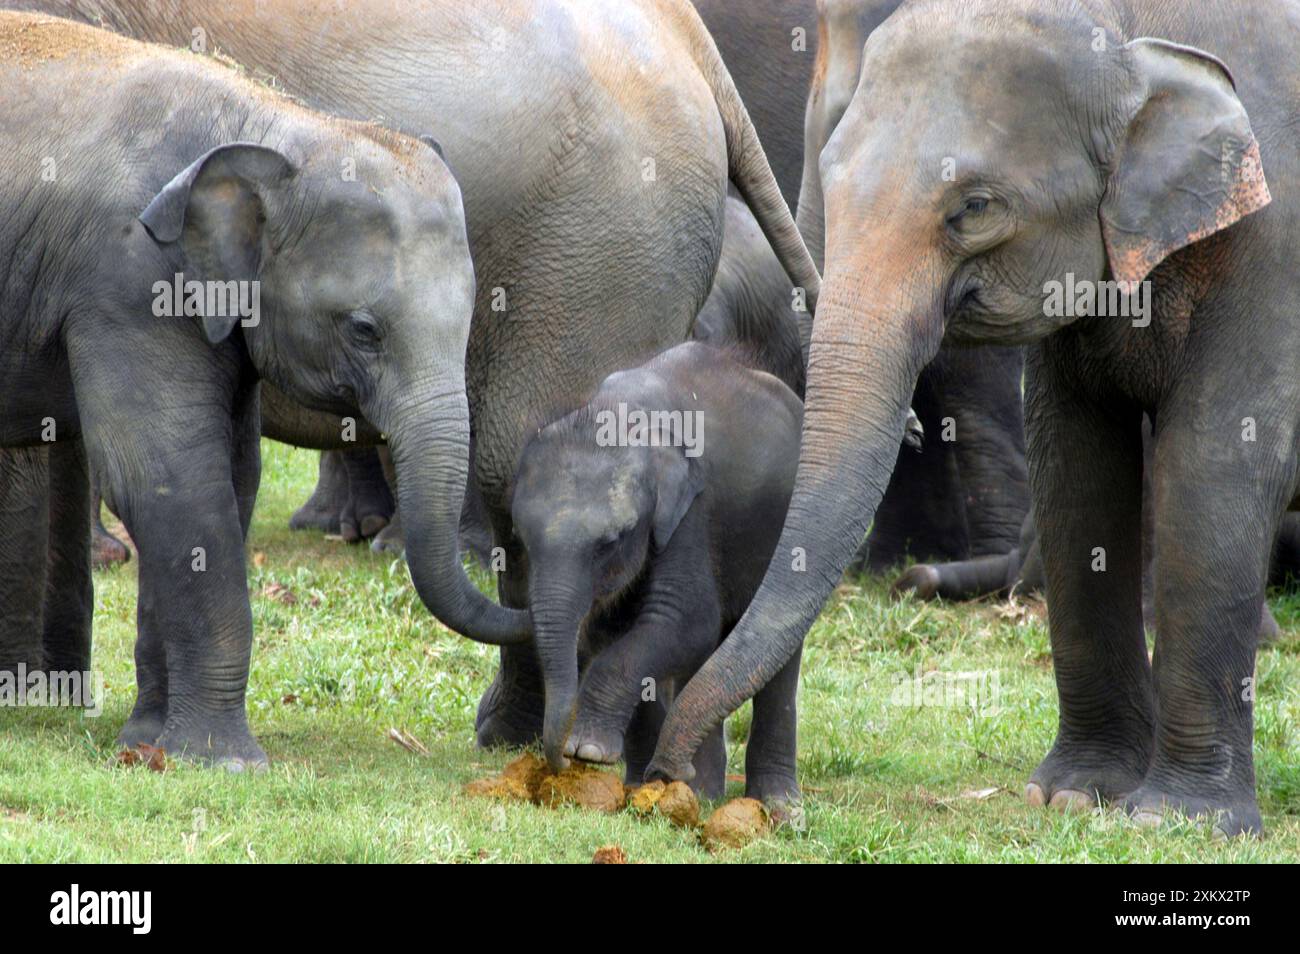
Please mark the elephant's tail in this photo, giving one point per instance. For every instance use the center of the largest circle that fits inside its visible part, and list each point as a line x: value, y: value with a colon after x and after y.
x: 746, y: 162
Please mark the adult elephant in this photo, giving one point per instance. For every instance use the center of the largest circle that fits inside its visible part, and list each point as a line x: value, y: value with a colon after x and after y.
x: 966, y: 494
x: 593, y: 144
x: 993, y: 148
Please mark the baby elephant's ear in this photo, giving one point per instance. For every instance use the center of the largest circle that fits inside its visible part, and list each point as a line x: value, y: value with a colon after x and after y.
x: 680, y: 482
x: 1188, y: 166
x: 216, y: 209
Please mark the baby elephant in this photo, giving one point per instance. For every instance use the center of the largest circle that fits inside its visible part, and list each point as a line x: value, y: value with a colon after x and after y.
x: 649, y: 517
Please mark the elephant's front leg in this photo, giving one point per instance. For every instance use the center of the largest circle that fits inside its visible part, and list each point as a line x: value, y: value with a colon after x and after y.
x: 676, y: 630
x: 195, y: 609
x: 1086, y: 473
x: 179, y: 470
x: 1217, y: 510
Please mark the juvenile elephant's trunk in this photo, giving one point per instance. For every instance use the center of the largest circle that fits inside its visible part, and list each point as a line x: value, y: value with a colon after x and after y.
x: 869, y: 344
x: 428, y: 435
x: 559, y: 605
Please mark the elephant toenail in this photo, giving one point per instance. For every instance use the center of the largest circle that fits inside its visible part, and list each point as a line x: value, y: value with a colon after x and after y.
x: 1072, y: 800
x: 1034, y: 795
x: 1147, y: 819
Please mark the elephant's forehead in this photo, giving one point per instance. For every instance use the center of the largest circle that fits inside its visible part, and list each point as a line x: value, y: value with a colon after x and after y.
x: 593, y: 503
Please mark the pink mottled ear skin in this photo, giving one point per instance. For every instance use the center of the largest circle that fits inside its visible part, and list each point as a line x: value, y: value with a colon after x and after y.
x: 1133, y: 256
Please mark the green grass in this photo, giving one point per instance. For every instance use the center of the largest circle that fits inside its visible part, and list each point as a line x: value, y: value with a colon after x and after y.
x: 357, y: 654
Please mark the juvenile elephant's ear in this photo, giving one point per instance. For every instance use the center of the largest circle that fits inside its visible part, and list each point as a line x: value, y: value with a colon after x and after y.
x: 680, y: 482
x: 216, y: 209
x: 1189, y: 165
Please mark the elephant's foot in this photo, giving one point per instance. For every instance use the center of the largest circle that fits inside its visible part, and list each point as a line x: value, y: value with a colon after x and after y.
x: 922, y: 581
x: 512, y: 710
x: 390, y: 539
x: 593, y: 743
x: 1077, y: 778
x: 222, y: 741
x: 143, y: 727
x: 354, y: 528
x: 779, y: 794
x: 1151, y: 804
x: 318, y: 513
x: 106, y: 549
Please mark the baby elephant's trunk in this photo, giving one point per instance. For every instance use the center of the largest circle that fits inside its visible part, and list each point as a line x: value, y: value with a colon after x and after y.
x: 559, y: 606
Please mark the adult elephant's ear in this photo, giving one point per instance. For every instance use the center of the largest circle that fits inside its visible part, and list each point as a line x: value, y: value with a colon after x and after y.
x: 217, y: 209
x: 1188, y: 165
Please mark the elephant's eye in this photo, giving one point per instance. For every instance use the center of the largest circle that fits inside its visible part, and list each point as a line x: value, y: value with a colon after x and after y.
x: 975, y: 205
x: 362, y: 329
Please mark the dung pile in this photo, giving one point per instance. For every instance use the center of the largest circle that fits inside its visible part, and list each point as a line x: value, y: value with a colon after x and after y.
x: 529, y: 779
x: 735, y: 824
x: 674, y: 801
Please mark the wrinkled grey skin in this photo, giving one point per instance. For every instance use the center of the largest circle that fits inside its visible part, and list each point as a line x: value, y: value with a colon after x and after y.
x: 1133, y: 161
x: 642, y: 558
x: 547, y: 111
x: 966, y: 493
x: 46, y: 602
x: 750, y: 305
x: 749, y: 312
x: 356, y: 278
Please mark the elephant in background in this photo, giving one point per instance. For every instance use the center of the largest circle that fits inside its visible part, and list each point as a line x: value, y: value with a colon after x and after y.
x: 1021, y: 570
x: 355, y: 278
x: 1123, y: 145
x: 593, y: 153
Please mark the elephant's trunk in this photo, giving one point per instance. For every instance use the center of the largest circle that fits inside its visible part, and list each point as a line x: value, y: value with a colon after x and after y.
x: 869, y: 344
x: 559, y: 605
x: 428, y: 435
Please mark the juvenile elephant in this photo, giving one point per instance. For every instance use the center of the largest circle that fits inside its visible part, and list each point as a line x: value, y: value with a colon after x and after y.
x: 360, y: 287
x: 645, y: 545
x: 994, y: 153
x: 593, y: 143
